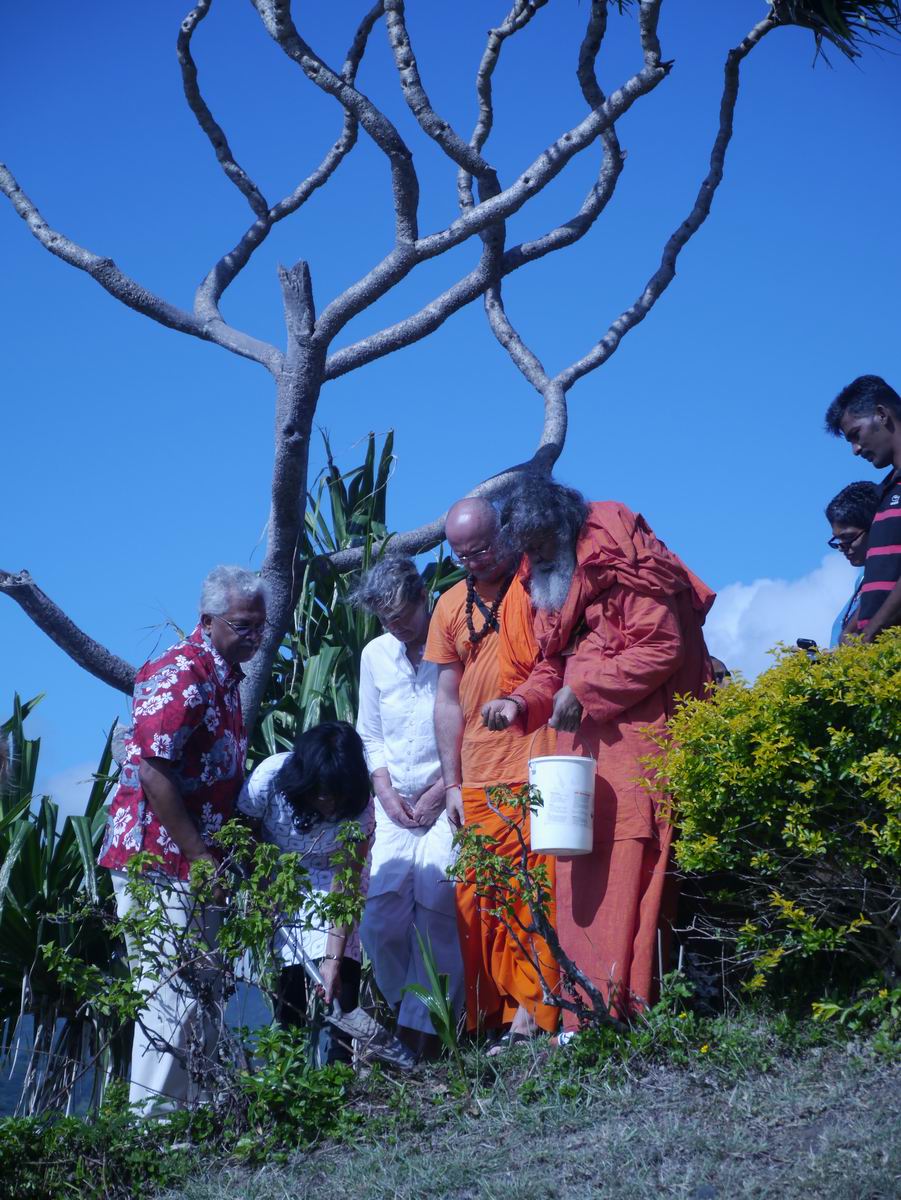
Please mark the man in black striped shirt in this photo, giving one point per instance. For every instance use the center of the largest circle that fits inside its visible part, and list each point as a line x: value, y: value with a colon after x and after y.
x: 868, y: 414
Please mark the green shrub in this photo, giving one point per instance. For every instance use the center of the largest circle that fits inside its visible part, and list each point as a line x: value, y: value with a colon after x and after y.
x: 118, y: 1154
x: 47, y: 874
x: 115, y: 1154
x: 792, y: 787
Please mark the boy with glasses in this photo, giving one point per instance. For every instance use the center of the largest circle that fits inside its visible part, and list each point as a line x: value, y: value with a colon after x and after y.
x: 850, y: 515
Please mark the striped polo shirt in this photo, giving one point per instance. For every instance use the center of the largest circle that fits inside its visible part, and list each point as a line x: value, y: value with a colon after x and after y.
x: 883, y: 565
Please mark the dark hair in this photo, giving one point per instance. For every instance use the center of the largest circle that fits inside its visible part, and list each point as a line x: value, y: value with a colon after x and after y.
x: 536, y: 507
x: 854, y: 505
x: 327, y: 760
x: 393, y: 582
x: 861, y: 396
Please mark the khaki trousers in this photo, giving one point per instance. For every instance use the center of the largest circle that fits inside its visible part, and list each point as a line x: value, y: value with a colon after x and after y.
x: 176, y: 1036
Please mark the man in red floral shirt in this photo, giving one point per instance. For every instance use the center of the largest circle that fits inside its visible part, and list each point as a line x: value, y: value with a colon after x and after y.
x: 183, y: 769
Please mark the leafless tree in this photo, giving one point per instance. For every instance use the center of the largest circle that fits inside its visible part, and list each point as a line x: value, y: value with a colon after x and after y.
x: 311, y: 358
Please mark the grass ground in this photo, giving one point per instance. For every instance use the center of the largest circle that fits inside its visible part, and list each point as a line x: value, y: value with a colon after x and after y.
x: 764, y: 1120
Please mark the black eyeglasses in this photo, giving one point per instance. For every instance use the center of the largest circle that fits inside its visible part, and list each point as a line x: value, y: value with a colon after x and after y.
x: 243, y: 631
x: 845, y: 543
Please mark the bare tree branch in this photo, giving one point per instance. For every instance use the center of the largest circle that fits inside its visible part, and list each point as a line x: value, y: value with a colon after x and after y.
x: 554, y: 158
x: 439, y: 130
x: 209, y: 294
x: 495, y: 209
x: 413, y: 328
x: 432, y: 315
x: 518, y: 17
x: 665, y: 273
x: 49, y: 617
x: 131, y: 293
x: 276, y: 17
x: 205, y: 119
x: 546, y: 930
x: 523, y: 358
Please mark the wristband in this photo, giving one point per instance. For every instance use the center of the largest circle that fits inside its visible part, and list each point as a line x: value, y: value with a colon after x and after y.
x: 521, y: 705
x: 331, y: 958
x: 450, y: 787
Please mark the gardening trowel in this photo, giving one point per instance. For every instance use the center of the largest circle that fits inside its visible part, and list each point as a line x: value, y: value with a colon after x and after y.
x: 373, y: 1039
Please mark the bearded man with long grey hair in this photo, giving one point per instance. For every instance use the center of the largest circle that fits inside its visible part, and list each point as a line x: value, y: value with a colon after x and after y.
x: 617, y: 618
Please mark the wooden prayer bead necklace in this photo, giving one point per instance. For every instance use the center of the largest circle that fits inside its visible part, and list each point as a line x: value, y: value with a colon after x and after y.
x: 473, y: 599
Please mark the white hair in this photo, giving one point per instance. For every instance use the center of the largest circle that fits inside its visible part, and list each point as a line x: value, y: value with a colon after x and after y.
x: 224, y: 585
x: 550, y: 582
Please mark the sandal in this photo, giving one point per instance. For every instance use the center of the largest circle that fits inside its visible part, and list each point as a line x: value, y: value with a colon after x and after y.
x: 508, y: 1040
x: 564, y: 1038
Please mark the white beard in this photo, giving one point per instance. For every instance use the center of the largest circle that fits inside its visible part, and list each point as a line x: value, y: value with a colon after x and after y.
x: 551, y: 581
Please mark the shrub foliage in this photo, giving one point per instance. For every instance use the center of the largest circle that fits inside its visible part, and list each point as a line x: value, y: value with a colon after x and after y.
x: 792, y: 787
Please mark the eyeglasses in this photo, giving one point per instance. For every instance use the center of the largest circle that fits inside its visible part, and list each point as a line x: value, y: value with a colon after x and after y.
x: 244, y: 631
x: 845, y: 543
x: 474, y: 557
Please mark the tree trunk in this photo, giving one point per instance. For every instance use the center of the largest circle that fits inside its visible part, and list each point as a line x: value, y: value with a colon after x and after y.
x: 297, y: 392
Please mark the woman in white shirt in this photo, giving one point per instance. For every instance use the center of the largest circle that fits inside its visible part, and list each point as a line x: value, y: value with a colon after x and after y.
x: 300, y: 801
x: 409, y: 890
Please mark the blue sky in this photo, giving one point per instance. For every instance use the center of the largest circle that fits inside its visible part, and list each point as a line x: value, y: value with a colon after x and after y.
x: 135, y: 458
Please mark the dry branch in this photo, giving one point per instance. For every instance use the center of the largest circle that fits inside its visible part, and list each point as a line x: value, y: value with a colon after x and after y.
x: 81, y: 648
x: 226, y: 270
x: 205, y: 118
x: 131, y: 293
x: 665, y: 273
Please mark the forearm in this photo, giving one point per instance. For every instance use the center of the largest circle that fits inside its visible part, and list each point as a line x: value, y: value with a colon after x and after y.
x: 381, y: 784
x: 538, y: 692
x: 338, y: 933
x: 887, y: 615
x: 161, y: 790
x: 449, y: 738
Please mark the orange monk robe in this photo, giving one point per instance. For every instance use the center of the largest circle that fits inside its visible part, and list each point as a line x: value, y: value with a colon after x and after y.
x: 627, y: 640
x: 499, y: 976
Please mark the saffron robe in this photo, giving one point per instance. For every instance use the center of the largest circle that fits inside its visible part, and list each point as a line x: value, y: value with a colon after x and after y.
x: 499, y: 976
x: 628, y: 640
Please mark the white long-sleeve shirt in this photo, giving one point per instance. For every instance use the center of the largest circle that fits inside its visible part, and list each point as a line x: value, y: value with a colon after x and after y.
x: 396, y: 717
x: 396, y: 723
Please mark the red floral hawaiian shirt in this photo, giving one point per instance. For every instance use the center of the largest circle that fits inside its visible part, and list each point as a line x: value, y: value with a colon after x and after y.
x: 187, y: 709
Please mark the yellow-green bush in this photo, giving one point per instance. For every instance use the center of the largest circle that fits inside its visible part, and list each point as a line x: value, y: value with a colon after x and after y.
x: 792, y: 786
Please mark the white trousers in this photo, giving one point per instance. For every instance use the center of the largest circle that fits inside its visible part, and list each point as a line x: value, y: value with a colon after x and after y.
x: 173, y: 1031
x: 410, y: 891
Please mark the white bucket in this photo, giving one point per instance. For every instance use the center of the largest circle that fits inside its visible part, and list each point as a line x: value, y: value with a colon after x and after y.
x: 564, y: 824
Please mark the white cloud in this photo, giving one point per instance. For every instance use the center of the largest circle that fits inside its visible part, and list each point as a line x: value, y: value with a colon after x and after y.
x: 749, y: 618
x: 69, y: 788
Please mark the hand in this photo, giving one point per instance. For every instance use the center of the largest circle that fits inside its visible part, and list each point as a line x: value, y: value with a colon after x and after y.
x: 219, y: 894
x: 453, y: 799
x: 330, y: 970
x: 499, y: 714
x: 395, y: 807
x: 430, y: 804
x: 567, y: 714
